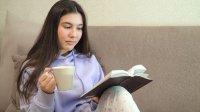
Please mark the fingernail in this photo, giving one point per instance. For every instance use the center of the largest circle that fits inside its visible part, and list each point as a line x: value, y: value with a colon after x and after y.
x: 51, y: 73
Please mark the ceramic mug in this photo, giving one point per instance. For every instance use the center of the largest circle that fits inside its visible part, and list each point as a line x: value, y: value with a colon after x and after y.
x: 64, y: 76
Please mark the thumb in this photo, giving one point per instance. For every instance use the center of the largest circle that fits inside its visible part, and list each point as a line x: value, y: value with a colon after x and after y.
x: 47, y: 69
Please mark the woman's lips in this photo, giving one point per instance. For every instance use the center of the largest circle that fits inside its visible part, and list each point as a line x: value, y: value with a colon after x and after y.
x: 70, y: 42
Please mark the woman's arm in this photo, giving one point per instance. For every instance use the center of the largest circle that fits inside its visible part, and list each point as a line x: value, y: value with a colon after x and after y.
x: 40, y: 100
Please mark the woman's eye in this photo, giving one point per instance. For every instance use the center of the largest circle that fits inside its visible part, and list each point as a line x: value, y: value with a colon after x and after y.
x: 79, y: 28
x: 67, y: 27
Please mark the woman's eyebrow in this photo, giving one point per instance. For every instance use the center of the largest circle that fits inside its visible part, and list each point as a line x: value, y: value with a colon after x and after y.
x: 68, y: 23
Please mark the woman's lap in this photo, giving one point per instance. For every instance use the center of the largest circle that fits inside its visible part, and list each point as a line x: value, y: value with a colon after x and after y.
x: 116, y: 99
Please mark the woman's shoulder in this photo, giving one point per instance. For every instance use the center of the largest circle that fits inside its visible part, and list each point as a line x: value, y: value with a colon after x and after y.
x: 26, y: 72
x: 84, y: 57
x: 27, y: 69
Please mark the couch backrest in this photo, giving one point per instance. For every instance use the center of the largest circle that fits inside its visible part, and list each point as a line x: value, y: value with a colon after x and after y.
x: 18, y: 36
x: 171, y: 56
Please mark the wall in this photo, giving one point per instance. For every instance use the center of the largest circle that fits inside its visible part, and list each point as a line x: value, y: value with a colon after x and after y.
x: 113, y: 12
x: 117, y: 12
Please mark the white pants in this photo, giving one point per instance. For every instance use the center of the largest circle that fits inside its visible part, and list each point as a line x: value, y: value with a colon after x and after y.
x: 117, y: 99
x: 114, y: 99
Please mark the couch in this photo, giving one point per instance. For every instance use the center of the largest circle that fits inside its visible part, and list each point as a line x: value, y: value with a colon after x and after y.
x: 170, y: 54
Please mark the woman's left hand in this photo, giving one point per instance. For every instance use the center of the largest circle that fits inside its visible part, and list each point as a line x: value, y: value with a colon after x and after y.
x: 95, y: 99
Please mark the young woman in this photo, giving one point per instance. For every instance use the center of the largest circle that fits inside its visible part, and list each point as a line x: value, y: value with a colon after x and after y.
x: 63, y: 41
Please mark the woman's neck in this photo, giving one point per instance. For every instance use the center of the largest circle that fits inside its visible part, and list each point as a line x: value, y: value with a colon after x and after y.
x: 64, y: 52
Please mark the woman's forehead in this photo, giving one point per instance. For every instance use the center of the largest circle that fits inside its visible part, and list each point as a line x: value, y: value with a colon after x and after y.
x: 71, y: 18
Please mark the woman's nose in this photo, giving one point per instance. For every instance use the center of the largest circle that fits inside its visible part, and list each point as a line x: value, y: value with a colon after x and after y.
x: 73, y: 32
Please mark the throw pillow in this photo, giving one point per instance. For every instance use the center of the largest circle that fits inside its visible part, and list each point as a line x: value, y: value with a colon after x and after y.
x: 14, y: 104
x: 17, y: 33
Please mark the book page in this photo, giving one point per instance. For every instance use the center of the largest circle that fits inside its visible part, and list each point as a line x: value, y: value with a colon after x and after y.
x: 143, y: 75
x: 137, y: 69
x: 119, y: 73
x: 113, y: 74
x: 123, y: 78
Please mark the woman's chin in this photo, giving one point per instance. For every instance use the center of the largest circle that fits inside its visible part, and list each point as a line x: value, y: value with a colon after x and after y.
x: 68, y: 48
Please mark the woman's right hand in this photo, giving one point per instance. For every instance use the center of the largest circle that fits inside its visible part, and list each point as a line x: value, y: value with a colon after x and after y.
x: 47, y: 81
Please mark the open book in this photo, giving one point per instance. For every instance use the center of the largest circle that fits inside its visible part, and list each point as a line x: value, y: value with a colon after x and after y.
x: 132, y: 80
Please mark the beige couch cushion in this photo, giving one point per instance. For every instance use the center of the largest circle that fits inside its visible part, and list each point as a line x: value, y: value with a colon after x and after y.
x: 18, y: 37
x: 171, y: 56
x: 14, y: 98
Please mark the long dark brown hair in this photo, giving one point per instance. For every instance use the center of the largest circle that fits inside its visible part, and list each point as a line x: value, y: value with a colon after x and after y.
x: 46, y: 48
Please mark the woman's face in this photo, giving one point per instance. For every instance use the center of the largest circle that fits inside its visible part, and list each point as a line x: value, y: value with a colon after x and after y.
x: 69, y: 31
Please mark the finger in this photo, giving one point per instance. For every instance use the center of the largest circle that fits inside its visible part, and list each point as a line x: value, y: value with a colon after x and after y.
x: 45, y: 74
x: 43, y: 77
x: 95, y: 99
x: 43, y: 83
x: 50, y: 86
x: 49, y: 77
x: 52, y: 83
x: 47, y: 69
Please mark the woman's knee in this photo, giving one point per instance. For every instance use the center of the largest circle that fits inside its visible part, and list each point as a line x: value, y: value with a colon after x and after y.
x: 117, y: 90
x: 116, y: 94
x: 117, y: 98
